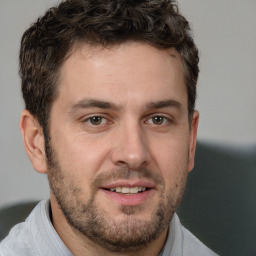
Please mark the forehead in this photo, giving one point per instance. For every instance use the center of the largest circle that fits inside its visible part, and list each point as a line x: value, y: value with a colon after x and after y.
x: 131, y: 70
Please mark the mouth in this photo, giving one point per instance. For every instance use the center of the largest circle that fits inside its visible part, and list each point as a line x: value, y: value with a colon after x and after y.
x: 129, y: 193
x: 128, y: 190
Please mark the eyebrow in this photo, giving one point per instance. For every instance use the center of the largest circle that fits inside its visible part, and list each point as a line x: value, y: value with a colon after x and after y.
x: 164, y: 104
x: 94, y: 103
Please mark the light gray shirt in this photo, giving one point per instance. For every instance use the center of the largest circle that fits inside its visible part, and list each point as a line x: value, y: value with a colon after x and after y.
x: 37, y: 237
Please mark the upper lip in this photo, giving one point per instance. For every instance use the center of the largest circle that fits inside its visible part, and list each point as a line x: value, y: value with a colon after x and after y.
x: 129, y: 184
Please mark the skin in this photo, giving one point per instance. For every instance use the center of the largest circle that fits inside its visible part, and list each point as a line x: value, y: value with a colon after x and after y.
x: 136, y: 131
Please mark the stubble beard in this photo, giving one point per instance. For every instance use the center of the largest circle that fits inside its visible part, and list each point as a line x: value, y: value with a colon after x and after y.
x: 128, y: 235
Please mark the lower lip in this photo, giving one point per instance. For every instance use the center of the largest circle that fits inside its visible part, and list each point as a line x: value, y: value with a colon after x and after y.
x: 129, y: 200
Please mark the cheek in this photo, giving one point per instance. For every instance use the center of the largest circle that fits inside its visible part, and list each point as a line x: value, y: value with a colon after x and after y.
x: 80, y: 155
x: 79, y: 163
x: 171, y: 158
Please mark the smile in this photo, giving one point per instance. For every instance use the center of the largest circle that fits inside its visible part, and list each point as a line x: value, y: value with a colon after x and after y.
x: 128, y: 190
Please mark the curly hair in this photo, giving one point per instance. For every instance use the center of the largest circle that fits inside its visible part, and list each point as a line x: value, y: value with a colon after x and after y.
x: 45, y: 45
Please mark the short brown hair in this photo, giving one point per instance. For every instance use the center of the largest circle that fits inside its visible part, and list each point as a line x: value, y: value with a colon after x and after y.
x: 45, y: 44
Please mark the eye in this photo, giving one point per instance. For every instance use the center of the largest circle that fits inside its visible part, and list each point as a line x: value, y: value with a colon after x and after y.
x: 96, y: 120
x: 158, y: 120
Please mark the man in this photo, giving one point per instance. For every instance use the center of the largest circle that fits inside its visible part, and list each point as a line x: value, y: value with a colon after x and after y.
x: 110, y: 89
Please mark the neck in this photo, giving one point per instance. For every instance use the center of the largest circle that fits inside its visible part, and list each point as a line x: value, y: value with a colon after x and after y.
x: 79, y: 245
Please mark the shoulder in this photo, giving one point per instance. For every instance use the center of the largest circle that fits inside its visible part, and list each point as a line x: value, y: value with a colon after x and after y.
x: 180, y: 241
x: 20, y: 242
x: 193, y: 246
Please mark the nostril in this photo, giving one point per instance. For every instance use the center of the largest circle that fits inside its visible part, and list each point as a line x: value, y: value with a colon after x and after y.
x: 121, y: 163
x: 131, y: 155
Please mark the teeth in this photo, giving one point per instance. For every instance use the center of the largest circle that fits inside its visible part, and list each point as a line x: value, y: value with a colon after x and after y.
x: 118, y: 190
x: 126, y: 190
x: 133, y: 190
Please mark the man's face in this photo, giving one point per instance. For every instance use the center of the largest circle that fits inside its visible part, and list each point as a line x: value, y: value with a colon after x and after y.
x: 120, y: 143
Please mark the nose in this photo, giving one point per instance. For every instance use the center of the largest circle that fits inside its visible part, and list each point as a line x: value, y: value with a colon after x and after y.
x: 130, y: 148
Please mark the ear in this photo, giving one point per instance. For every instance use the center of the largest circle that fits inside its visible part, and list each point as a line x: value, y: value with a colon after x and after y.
x: 33, y: 139
x: 192, y: 140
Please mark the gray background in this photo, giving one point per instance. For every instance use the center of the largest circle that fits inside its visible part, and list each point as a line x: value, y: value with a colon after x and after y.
x: 225, y: 33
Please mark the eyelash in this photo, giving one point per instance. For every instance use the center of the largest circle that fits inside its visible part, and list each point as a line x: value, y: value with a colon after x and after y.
x: 164, y: 120
x: 89, y: 120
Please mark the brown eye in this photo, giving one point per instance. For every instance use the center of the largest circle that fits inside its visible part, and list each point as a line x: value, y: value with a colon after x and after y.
x: 158, y: 120
x: 96, y: 120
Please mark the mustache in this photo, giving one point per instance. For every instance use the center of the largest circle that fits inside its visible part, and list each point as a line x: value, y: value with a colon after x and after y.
x: 125, y: 173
